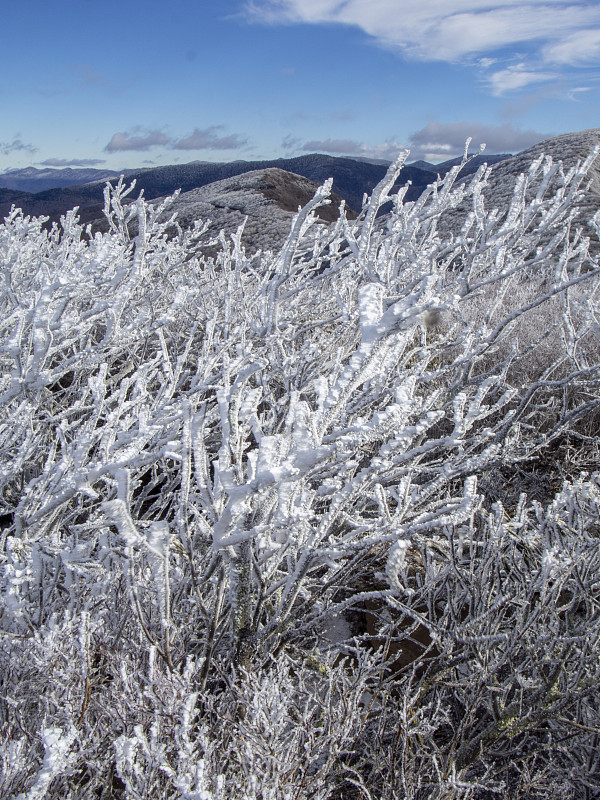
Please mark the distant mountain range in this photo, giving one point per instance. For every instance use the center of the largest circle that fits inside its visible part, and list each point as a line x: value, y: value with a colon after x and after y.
x: 33, y: 180
x: 276, y: 188
x: 352, y: 178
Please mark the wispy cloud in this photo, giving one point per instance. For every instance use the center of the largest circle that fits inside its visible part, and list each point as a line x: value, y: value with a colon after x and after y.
x: 136, y: 141
x: 348, y: 147
x: 438, y: 141
x: 207, y: 139
x: 581, y: 47
x: 72, y: 162
x: 553, y: 31
x: 575, y: 94
x: 516, y: 76
x: 17, y: 145
x: 515, y: 106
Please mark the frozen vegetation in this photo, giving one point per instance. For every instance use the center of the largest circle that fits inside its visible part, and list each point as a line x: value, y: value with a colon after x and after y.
x: 261, y: 200
x: 314, y: 523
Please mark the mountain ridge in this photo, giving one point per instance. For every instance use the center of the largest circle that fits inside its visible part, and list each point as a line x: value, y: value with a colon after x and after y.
x: 33, y: 180
x: 352, y: 179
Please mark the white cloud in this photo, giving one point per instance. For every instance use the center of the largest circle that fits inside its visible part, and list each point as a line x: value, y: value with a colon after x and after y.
x: 435, y: 142
x: 516, y: 76
x: 576, y: 91
x: 578, y: 48
x: 438, y: 141
x: 207, y: 139
x: 436, y: 30
x: 72, y: 162
x: 135, y: 141
x: 348, y: 147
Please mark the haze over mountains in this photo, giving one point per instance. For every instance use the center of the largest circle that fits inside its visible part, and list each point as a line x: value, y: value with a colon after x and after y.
x: 32, y: 179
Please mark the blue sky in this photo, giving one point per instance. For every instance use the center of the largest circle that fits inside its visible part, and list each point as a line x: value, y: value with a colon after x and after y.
x: 127, y: 84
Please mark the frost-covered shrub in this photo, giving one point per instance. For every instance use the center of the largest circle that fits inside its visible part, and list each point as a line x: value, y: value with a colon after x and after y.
x: 508, y: 670
x: 207, y: 460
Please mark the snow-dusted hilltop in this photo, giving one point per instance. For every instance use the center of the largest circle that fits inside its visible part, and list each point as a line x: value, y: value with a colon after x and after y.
x: 267, y: 199
x: 569, y: 149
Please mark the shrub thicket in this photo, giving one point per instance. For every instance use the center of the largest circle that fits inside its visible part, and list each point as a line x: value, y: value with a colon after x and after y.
x: 253, y: 541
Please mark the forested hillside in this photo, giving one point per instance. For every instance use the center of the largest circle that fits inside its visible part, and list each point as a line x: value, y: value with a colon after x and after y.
x: 319, y: 522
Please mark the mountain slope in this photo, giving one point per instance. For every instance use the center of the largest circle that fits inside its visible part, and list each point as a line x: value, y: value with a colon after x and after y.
x: 568, y: 148
x: 476, y: 161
